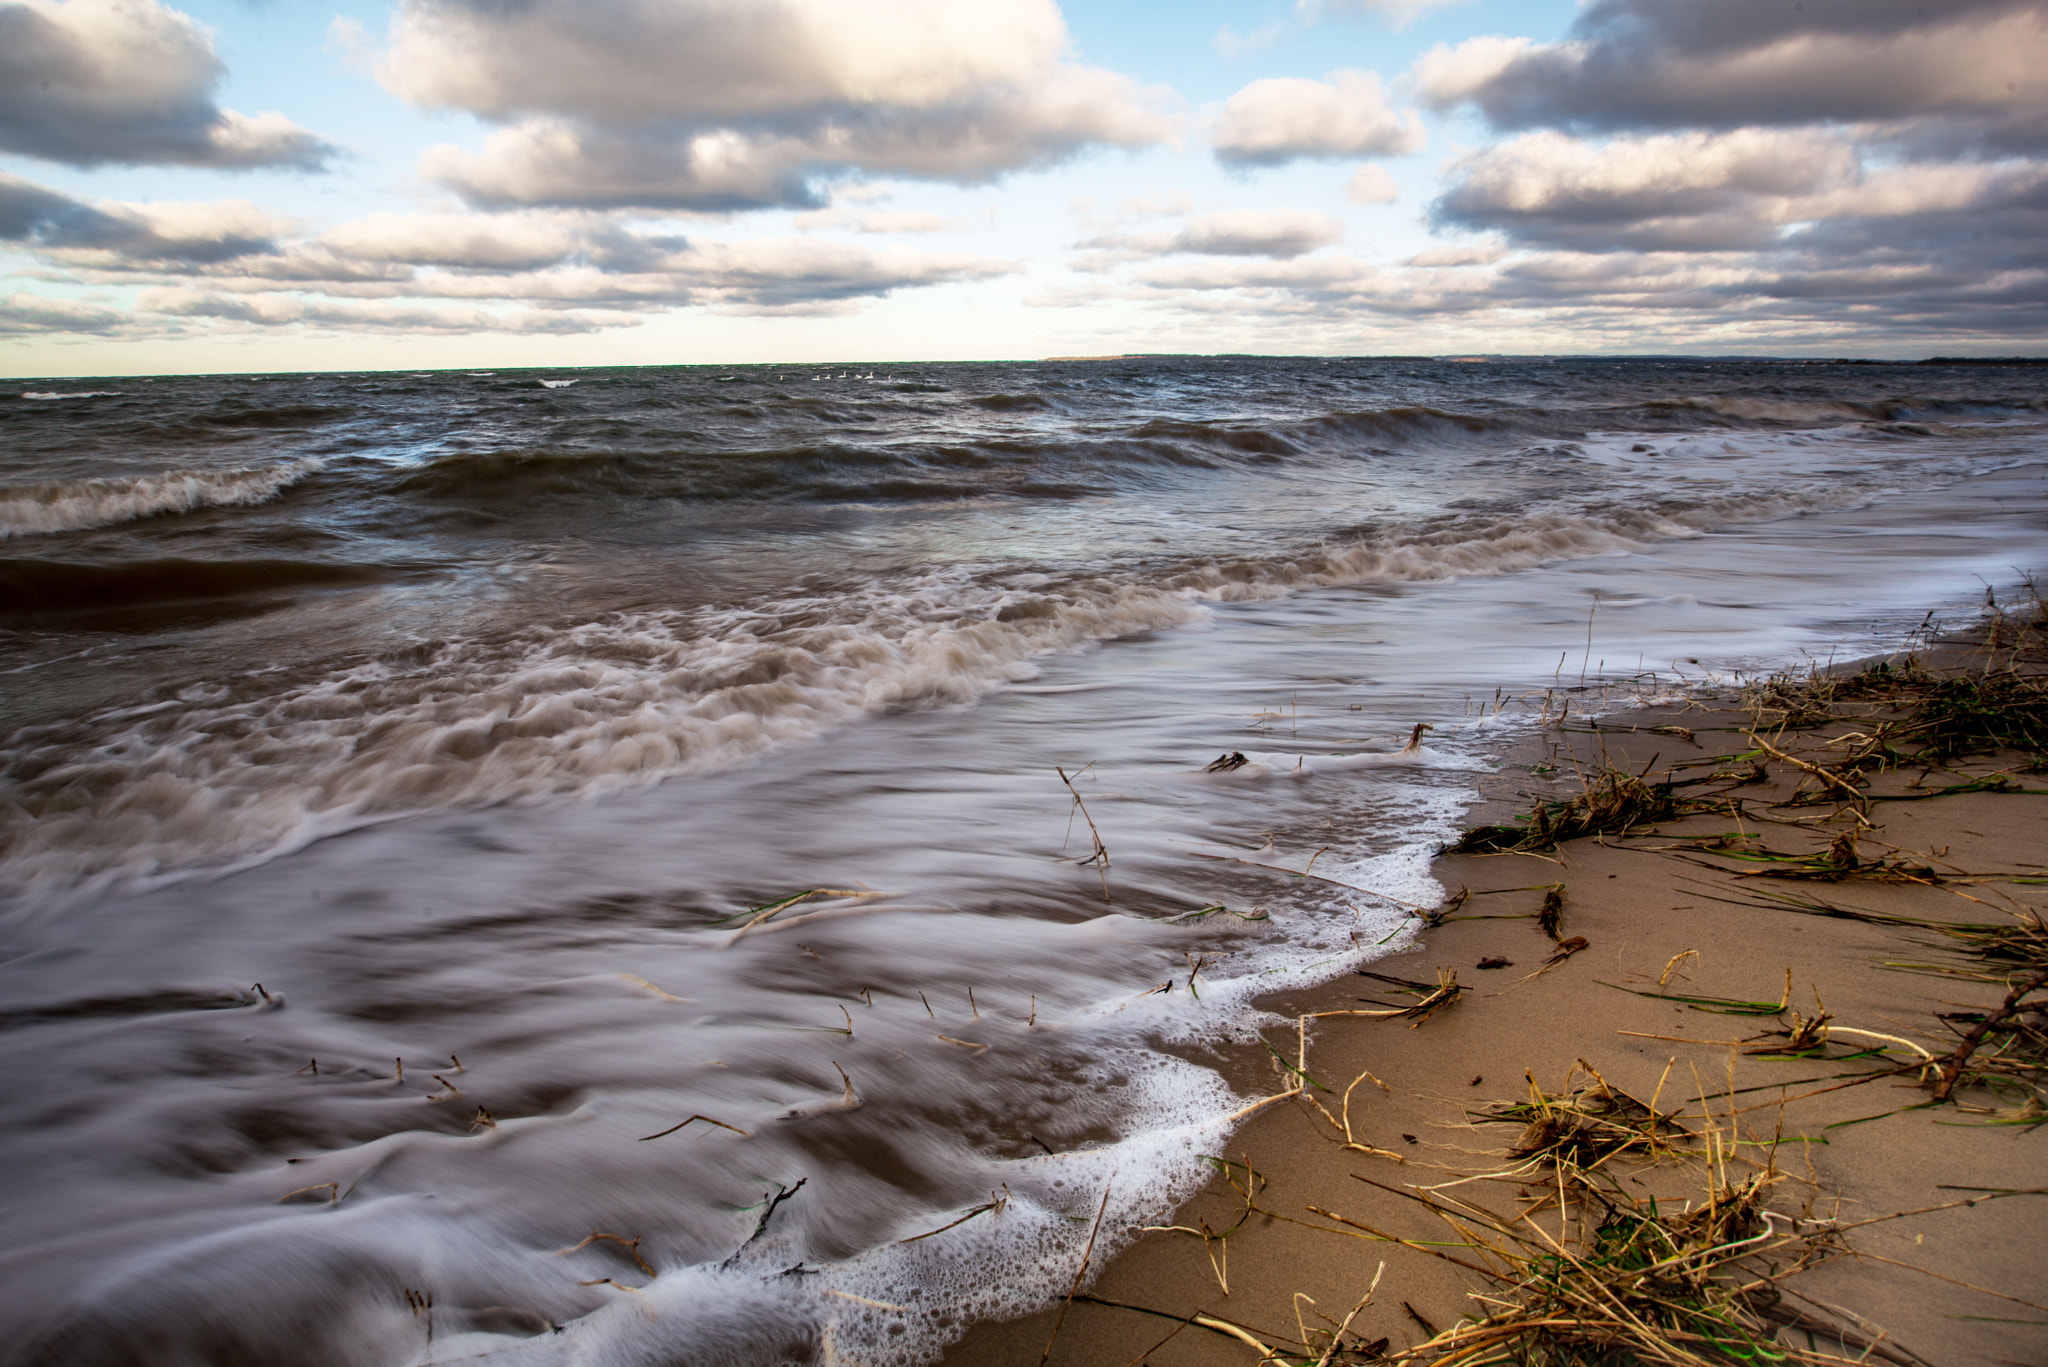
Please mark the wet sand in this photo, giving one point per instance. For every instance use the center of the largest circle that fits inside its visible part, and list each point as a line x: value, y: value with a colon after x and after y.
x: 1638, y: 905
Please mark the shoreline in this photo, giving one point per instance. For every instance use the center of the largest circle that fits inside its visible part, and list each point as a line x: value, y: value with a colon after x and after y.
x: 1273, y: 1251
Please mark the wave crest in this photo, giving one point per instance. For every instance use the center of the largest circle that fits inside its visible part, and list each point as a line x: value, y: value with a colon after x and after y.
x: 70, y: 505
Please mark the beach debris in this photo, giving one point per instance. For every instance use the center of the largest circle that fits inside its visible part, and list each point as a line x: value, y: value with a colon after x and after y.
x: 769, y: 1204
x: 993, y: 1206
x: 1100, y: 858
x: 632, y: 1247
x: 2010, y: 1017
x: 1080, y: 1274
x: 1584, y: 1122
x: 849, y: 1100
x: 1496, y: 961
x: 1551, y: 915
x: 1724, y: 1006
x: 1341, y: 1122
x: 1436, y: 915
x: 638, y: 981
x: 692, y: 1121
x: 1613, y: 802
x: 759, y: 918
x: 1434, y: 998
x: 309, y: 1195
x: 1565, y: 949
x: 422, y: 1303
x: 1224, y: 763
x: 1414, y: 745
x: 1622, y: 1275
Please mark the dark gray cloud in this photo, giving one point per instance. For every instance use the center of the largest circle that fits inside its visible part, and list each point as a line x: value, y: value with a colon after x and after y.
x: 1875, y: 166
x: 169, y: 234
x: 228, y: 263
x: 1972, y: 71
x: 29, y: 315
x: 93, y: 82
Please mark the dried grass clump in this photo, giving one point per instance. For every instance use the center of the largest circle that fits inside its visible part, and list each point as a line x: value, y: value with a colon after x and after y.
x: 1937, y: 717
x: 1613, y: 802
x: 1584, y: 1267
x: 1585, y: 1123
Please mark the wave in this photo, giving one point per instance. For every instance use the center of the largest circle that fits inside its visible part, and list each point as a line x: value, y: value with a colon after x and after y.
x: 46, y: 396
x: 827, y: 471
x: 216, y: 778
x: 53, y: 586
x: 76, y: 504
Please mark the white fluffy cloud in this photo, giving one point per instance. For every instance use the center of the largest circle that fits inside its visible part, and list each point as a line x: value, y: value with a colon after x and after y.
x: 1371, y: 184
x: 1291, y: 118
x: 91, y: 82
x: 650, y: 61
x: 732, y: 104
x: 1700, y: 190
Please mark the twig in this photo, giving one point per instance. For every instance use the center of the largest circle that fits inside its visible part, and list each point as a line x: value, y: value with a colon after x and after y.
x: 1086, y: 1253
x: 1100, y: 859
x: 693, y: 1120
x: 1953, y: 1068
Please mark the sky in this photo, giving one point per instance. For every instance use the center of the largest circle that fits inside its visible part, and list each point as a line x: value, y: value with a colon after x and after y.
x: 283, y: 185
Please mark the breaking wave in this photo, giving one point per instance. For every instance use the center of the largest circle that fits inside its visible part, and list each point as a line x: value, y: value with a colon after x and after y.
x: 219, y: 776
x: 71, y: 505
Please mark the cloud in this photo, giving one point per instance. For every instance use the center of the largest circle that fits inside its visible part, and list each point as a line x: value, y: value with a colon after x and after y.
x: 31, y: 314
x: 1749, y: 190
x: 92, y: 82
x: 1456, y: 256
x: 1277, y: 233
x: 1258, y: 232
x: 1291, y: 118
x: 272, y: 311
x: 1669, y: 191
x: 904, y: 221
x: 724, y: 105
x: 1371, y: 185
x: 1399, y: 13
x: 1977, y: 69
x: 158, y: 234
x: 230, y: 264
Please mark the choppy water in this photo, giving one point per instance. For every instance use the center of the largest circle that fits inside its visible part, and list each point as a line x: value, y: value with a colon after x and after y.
x: 464, y: 712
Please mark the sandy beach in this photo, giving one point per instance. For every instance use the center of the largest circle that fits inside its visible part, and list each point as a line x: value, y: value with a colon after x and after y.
x: 1654, y: 934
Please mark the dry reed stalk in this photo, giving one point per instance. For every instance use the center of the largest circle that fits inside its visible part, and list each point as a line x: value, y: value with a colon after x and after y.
x: 1100, y: 858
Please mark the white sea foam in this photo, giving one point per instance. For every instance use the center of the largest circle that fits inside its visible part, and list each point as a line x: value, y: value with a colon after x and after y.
x: 47, y: 395
x: 76, y: 504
